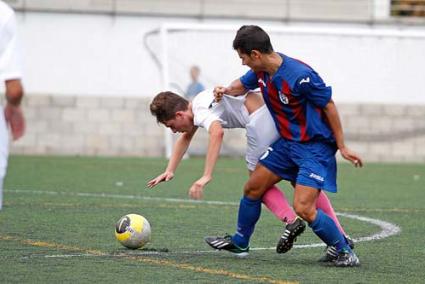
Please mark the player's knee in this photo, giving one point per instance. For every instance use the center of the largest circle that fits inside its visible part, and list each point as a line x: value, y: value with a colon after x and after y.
x: 253, y: 191
x: 305, y: 211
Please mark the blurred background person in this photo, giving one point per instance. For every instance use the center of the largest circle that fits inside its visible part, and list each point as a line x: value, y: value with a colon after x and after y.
x: 195, y: 87
x: 10, y: 74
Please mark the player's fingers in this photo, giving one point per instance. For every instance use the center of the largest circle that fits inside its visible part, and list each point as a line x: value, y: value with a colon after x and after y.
x: 197, y: 196
x: 194, y: 192
x: 17, y: 125
x: 152, y: 184
x: 358, y: 162
x: 192, y: 195
x: 217, y: 98
x: 157, y: 180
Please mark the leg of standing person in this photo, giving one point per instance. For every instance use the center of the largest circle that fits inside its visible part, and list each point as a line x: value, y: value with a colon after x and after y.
x: 4, y: 152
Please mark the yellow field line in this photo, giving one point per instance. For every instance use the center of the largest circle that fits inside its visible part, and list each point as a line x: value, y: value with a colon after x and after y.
x: 160, y: 262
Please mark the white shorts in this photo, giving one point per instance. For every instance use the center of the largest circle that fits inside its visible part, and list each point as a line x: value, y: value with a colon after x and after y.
x: 260, y: 133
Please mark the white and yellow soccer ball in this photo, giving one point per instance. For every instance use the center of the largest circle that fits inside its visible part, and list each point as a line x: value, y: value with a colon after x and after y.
x: 133, y: 231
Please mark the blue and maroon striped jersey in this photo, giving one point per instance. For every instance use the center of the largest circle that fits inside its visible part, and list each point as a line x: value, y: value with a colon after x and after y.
x: 295, y: 96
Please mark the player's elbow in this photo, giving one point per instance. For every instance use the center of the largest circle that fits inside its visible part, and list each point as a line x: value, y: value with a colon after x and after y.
x: 218, y: 133
x: 329, y: 106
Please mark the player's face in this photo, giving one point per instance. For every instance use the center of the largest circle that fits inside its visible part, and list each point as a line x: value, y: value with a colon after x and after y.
x: 251, y: 60
x: 181, y: 123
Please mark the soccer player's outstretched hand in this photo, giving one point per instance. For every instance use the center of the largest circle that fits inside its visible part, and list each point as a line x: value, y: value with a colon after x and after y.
x: 15, y: 119
x: 219, y: 92
x: 166, y: 176
x: 352, y: 157
x: 196, y: 191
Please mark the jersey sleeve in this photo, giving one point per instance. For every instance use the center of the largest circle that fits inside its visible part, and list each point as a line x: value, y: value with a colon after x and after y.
x: 311, y: 86
x: 249, y: 80
x: 10, y: 65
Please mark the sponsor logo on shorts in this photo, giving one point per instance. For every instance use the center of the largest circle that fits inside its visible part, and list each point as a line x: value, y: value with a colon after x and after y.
x: 317, y: 177
x: 270, y: 149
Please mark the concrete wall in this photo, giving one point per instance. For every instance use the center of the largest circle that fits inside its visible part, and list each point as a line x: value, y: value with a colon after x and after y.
x: 123, y: 126
x: 335, y: 10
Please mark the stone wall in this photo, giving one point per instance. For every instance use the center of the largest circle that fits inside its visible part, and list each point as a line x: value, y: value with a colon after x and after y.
x: 342, y: 10
x: 65, y: 125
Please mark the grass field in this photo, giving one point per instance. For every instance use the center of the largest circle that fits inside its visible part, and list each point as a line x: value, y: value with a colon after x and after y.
x: 57, y: 225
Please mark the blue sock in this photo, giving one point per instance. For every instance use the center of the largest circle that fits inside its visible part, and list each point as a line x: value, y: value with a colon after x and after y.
x: 249, y: 213
x: 324, y: 227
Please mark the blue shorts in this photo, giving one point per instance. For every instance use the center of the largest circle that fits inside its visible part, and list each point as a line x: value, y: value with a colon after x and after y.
x: 306, y: 163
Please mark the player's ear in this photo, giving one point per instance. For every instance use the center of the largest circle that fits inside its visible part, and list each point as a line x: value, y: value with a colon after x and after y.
x: 255, y: 54
x: 179, y: 114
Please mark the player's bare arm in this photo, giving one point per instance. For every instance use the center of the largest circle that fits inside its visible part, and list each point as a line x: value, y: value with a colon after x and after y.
x: 179, y: 150
x: 216, y: 135
x: 236, y: 88
x: 12, y: 111
x: 335, y: 124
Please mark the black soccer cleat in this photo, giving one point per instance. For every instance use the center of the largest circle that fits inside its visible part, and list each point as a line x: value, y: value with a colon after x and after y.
x: 226, y: 243
x: 347, y: 259
x: 350, y: 241
x: 331, y: 253
x: 330, y: 256
x: 289, y: 236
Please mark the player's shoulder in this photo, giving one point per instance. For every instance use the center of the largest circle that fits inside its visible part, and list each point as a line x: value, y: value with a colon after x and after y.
x: 293, y: 70
x: 203, y: 100
x: 296, y: 66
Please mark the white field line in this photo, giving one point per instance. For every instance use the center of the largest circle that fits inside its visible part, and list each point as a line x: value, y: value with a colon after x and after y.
x: 387, y: 229
x: 120, y: 196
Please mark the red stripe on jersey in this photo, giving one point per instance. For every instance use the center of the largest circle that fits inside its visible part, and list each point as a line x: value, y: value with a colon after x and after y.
x: 279, y: 113
x: 297, y: 111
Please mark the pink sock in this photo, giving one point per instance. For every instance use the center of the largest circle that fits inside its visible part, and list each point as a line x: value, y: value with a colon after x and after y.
x: 276, y: 202
x: 324, y: 203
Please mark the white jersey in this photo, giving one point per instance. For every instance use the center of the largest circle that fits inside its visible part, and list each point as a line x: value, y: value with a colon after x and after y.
x: 232, y: 113
x: 9, y: 55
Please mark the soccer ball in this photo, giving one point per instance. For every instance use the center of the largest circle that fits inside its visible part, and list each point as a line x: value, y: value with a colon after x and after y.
x: 133, y: 231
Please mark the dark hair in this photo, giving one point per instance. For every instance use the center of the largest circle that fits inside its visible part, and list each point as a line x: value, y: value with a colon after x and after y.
x: 165, y: 105
x: 249, y: 38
